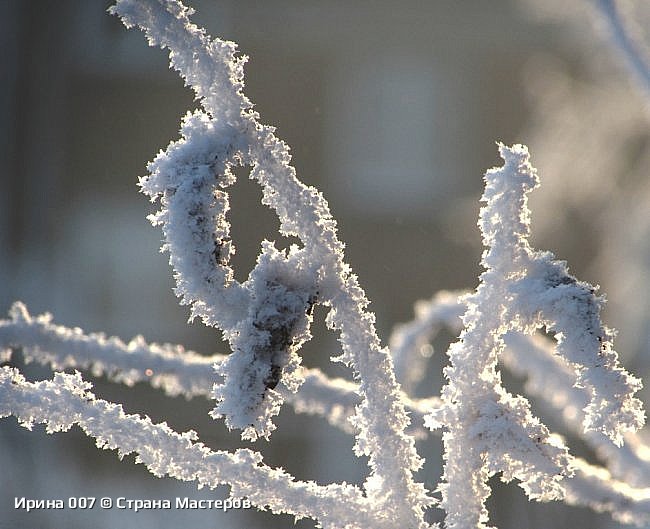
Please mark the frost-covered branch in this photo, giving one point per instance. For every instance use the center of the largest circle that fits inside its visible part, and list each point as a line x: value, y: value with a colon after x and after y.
x: 66, y: 401
x: 266, y: 319
x: 409, y: 342
x: 622, y: 34
x: 594, y: 487
x: 489, y: 430
x: 168, y: 367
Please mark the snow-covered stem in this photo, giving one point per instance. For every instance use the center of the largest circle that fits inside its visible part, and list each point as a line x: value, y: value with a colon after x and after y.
x: 169, y: 367
x: 408, y: 341
x: 522, y: 290
x: 66, y: 400
x: 630, y: 47
x: 266, y: 318
x: 596, y: 488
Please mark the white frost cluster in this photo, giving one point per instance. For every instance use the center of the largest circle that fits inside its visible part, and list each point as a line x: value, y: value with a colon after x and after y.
x: 266, y: 319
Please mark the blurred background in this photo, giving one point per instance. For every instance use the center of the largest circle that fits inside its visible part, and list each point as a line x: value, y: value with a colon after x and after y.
x: 392, y: 111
